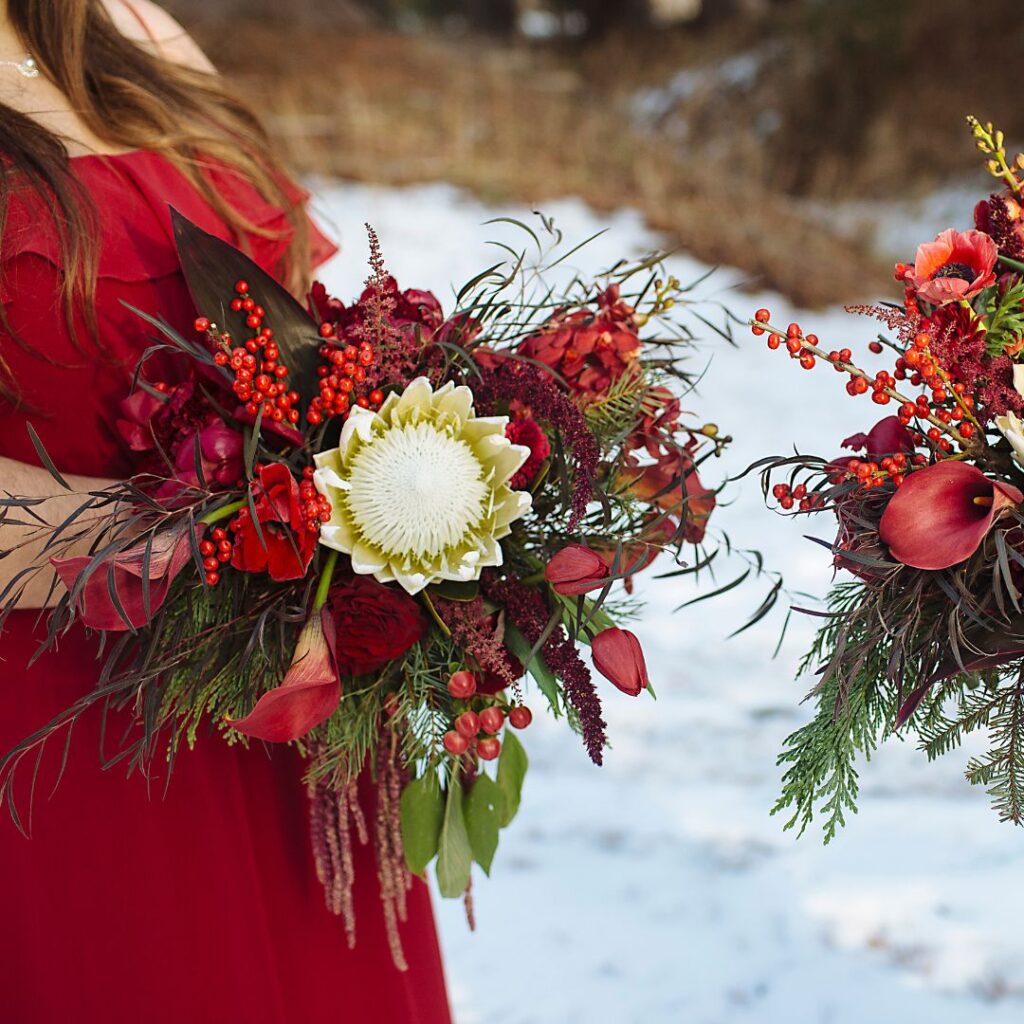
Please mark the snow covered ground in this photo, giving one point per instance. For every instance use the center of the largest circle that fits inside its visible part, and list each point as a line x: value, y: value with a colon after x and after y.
x: 658, y: 889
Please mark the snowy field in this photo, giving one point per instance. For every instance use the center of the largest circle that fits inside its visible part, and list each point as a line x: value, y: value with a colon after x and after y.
x: 658, y: 889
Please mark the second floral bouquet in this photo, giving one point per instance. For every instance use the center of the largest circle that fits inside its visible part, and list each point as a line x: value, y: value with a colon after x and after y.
x: 361, y: 528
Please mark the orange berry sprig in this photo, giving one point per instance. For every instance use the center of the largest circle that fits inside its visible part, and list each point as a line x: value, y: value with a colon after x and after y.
x: 261, y: 380
x: 343, y: 370
x: 946, y: 428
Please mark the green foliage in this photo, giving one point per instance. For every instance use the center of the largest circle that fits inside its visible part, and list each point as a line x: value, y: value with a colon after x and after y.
x: 454, y: 855
x: 422, y: 809
x: 512, y: 767
x: 484, y: 814
x: 1003, y: 317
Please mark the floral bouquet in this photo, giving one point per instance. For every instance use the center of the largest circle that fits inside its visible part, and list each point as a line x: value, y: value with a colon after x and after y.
x: 361, y: 528
x: 924, y: 631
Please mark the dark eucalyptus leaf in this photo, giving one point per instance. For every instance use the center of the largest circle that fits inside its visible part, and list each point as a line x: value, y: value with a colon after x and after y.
x: 211, y: 268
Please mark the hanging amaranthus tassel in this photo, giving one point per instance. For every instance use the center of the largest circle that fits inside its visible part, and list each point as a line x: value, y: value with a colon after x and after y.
x: 334, y: 806
x: 395, y: 880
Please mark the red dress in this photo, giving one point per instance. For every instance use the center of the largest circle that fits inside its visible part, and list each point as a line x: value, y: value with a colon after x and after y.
x: 129, y: 904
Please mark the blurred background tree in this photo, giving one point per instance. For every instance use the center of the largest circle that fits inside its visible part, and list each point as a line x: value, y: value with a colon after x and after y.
x: 738, y: 127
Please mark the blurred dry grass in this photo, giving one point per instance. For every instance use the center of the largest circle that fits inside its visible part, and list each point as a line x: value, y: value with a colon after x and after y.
x: 859, y: 106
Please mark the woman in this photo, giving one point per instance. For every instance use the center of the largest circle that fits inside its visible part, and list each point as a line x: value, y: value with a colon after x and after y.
x: 129, y: 903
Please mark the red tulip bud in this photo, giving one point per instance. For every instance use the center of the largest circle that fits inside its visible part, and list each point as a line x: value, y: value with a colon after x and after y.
x: 620, y: 659
x: 576, y: 570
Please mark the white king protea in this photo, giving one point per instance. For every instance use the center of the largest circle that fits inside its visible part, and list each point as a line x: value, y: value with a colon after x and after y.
x: 419, y: 490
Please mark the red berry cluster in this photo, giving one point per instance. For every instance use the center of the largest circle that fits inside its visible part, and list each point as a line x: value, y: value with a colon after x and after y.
x: 479, y: 729
x: 315, y: 507
x: 217, y: 550
x: 949, y: 409
x: 788, y: 496
x: 261, y: 380
x: 343, y: 370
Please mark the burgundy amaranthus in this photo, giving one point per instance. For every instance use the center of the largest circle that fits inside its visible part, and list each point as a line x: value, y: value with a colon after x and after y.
x: 512, y: 380
x: 528, y: 611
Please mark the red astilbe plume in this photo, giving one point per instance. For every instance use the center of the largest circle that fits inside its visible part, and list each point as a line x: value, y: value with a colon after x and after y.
x: 474, y: 629
x: 528, y: 611
x: 903, y: 323
x: 512, y: 380
x: 959, y: 347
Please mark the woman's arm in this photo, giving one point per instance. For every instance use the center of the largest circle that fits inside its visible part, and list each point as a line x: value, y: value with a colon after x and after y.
x: 26, y: 543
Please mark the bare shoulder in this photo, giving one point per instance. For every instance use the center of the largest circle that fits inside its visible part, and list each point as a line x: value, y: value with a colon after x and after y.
x: 149, y: 25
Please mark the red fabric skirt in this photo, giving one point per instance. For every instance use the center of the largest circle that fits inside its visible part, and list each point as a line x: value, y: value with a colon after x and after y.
x: 192, y: 902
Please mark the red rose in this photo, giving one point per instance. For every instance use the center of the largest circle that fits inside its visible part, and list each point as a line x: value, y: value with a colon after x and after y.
x: 375, y: 624
x: 287, y: 546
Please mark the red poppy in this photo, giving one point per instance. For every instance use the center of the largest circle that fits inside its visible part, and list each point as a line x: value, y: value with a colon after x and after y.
x: 309, y: 693
x: 169, y: 553
x: 957, y: 265
x: 940, y: 515
x: 620, y: 659
x: 283, y: 546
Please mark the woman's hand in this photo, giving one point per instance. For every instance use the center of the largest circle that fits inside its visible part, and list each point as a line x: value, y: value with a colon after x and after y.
x: 24, y: 544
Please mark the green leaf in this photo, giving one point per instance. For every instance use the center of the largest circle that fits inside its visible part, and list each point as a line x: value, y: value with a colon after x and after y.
x: 454, y: 855
x: 511, y: 771
x: 484, y: 808
x: 421, y: 810
x: 455, y: 590
x: 537, y: 667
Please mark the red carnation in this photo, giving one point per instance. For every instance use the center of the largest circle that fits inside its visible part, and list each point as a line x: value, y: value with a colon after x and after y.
x: 528, y: 433
x: 375, y: 624
x: 283, y: 546
x: 957, y: 265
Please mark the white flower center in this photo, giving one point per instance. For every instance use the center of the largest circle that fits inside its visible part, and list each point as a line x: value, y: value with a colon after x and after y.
x: 416, y: 490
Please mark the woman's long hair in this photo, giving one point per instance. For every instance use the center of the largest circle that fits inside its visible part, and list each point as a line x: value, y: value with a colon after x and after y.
x: 130, y: 99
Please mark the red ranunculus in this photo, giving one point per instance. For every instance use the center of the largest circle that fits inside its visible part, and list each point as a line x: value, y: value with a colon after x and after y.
x: 940, y: 515
x: 576, y: 570
x: 309, y: 693
x: 957, y: 265
x: 528, y: 432
x: 620, y: 659
x: 375, y: 624
x: 283, y: 546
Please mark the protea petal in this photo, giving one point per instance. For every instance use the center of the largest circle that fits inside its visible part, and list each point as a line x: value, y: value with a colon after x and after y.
x: 309, y: 693
x: 97, y: 608
x: 940, y: 515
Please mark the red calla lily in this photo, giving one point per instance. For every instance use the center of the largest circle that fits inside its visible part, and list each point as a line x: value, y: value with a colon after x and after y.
x: 940, y: 515
x: 309, y: 693
x: 171, y: 551
x: 619, y: 657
